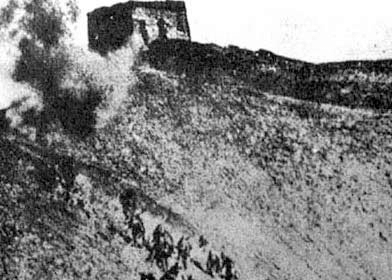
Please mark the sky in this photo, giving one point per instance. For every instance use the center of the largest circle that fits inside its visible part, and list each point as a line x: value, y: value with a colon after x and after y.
x: 311, y: 30
x: 316, y: 31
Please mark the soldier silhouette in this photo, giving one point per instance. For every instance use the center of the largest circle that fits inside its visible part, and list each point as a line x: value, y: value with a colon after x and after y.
x: 183, y: 248
x: 161, y: 248
x: 213, y: 264
x: 166, y: 250
x: 172, y: 273
x: 138, y: 231
x: 143, y: 31
x: 155, y: 243
x: 162, y: 35
x: 202, y: 241
x: 228, y: 266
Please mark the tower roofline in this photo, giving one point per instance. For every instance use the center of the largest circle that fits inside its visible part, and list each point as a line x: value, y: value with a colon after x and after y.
x: 178, y: 6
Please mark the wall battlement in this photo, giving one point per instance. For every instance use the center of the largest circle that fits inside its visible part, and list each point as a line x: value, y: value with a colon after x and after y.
x: 109, y: 28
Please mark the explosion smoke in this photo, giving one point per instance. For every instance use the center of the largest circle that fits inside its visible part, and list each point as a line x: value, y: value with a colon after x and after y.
x: 41, y: 70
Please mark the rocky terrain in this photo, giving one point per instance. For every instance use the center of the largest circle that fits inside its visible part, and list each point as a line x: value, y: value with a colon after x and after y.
x: 287, y: 189
x: 189, y: 161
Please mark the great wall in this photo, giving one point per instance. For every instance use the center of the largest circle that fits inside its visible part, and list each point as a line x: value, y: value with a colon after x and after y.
x: 218, y: 163
x: 110, y: 27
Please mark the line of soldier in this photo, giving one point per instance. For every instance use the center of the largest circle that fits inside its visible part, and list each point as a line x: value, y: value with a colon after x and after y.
x: 221, y: 266
x: 162, y: 248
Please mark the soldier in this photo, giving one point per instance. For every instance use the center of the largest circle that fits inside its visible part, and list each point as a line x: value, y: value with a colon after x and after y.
x: 213, y: 264
x: 138, y: 231
x: 202, y: 241
x: 161, y: 248
x: 156, y: 235
x: 167, y: 249
x: 128, y: 202
x: 162, y: 29
x: 184, y: 248
x: 143, y: 31
x: 209, y: 263
x: 217, y: 264
x: 228, y: 266
x: 172, y: 273
x: 155, y: 243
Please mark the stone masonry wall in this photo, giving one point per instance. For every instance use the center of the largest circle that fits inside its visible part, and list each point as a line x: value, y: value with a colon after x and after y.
x: 151, y: 18
x: 110, y: 28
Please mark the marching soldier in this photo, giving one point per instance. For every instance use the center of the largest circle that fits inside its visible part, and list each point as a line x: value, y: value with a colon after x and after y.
x: 228, y: 266
x: 161, y: 248
x: 202, y: 241
x: 128, y: 202
x: 156, y: 235
x: 213, y: 264
x: 138, y: 231
x: 155, y: 243
x: 209, y: 263
x: 172, y: 273
x: 184, y: 248
x: 167, y: 249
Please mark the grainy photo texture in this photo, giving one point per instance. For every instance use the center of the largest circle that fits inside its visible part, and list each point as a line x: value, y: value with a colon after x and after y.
x: 195, y: 140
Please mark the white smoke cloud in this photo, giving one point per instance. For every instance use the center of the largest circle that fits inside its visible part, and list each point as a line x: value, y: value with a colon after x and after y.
x: 16, y: 97
x: 85, y: 73
x: 11, y: 91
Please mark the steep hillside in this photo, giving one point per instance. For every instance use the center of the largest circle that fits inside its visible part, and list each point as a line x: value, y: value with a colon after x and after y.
x: 355, y: 84
x: 287, y: 189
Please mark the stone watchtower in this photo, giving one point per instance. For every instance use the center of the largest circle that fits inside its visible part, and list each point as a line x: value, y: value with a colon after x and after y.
x: 109, y: 28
